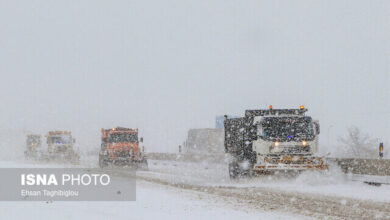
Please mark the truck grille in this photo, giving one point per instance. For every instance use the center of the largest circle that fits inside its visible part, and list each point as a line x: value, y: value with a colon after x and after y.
x: 291, y: 150
x: 122, y: 154
x: 61, y: 148
x: 290, y: 160
x: 296, y: 149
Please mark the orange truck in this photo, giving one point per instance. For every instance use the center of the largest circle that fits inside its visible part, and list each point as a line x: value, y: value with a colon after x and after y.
x: 121, y: 146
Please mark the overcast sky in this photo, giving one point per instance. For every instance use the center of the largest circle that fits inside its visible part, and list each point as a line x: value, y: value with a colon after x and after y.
x: 167, y: 66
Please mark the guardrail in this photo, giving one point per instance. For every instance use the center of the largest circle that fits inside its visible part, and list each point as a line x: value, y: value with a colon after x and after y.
x: 162, y: 156
x: 217, y: 158
x: 378, y: 167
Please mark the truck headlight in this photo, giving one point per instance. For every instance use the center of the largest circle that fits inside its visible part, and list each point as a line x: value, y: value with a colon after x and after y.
x: 304, y: 143
x: 277, y: 143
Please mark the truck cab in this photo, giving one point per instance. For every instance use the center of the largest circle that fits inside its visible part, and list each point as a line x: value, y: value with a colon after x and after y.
x: 33, y: 144
x: 121, y: 146
x: 60, y: 141
x: 286, y: 134
x: 272, y: 140
x: 60, y: 147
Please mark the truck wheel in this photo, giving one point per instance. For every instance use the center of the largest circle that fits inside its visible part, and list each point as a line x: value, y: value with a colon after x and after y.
x: 102, y: 164
x: 234, y: 170
x: 144, y: 165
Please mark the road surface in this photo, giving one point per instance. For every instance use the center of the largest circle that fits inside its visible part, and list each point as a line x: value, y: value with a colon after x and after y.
x: 177, y: 190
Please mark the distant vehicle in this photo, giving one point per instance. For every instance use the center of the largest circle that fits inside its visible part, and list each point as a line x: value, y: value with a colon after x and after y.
x: 204, y: 144
x: 120, y: 146
x: 272, y: 140
x: 33, y: 144
x: 60, y: 147
x: 219, y: 120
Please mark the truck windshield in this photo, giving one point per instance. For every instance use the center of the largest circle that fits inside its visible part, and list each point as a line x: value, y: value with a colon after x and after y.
x: 287, y: 128
x: 124, y: 137
x: 33, y: 140
x: 60, y: 139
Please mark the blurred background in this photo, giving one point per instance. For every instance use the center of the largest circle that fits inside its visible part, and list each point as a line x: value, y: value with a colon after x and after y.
x: 168, y: 66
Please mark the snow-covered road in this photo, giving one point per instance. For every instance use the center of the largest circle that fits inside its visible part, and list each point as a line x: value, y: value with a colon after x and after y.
x: 332, y: 183
x: 178, y: 190
x: 154, y: 201
x: 318, y: 195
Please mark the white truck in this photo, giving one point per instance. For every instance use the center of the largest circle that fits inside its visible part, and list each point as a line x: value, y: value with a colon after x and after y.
x: 60, y: 147
x: 272, y: 140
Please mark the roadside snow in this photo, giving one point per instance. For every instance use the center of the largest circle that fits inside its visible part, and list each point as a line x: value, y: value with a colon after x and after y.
x: 153, y: 202
x: 332, y: 183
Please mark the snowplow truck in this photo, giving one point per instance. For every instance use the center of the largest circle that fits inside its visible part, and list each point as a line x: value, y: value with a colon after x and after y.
x: 33, y: 144
x: 60, y: 147
x: 120, y: 146
x: 272, y: 140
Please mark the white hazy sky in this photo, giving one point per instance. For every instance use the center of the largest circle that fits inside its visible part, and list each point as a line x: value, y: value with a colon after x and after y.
x: 167, y: 66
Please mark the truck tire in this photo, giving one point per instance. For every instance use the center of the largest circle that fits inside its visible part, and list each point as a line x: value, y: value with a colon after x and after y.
x: 144, y: 165
x: 234, y: 170
x: 102, y: 164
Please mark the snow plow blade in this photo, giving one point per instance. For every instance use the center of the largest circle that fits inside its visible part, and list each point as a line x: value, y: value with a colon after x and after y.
x: 292, y: 163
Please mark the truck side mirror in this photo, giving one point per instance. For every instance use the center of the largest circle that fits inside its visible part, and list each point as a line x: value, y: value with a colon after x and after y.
x: 141, y: 140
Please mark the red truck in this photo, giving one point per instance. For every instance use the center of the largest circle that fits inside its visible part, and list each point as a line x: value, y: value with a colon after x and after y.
x: 121, y: 146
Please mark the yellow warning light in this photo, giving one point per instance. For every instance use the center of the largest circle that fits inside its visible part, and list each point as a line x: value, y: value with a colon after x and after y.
x: 270, y: 107
x: 301, y: 107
